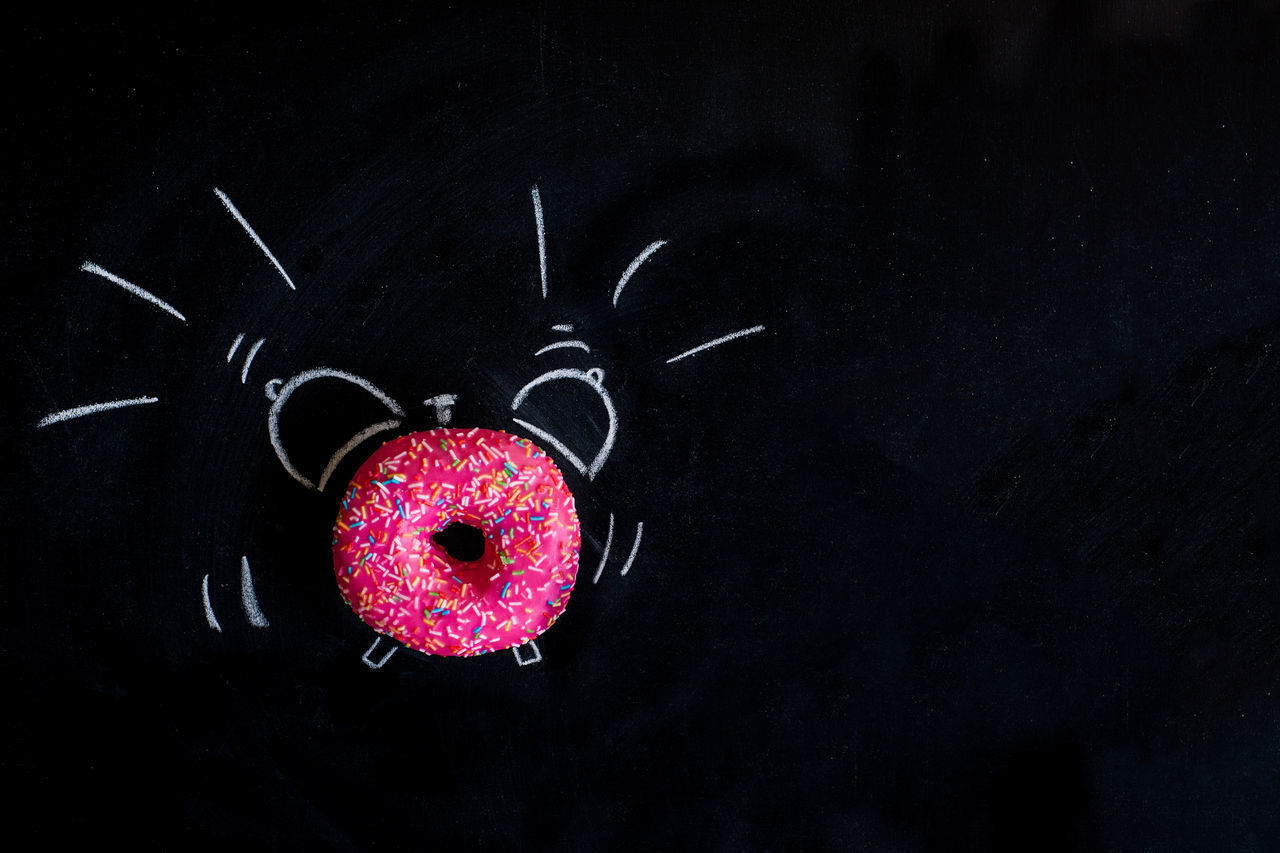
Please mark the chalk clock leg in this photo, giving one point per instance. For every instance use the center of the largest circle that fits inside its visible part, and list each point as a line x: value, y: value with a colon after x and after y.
x: 385, y: 658
x: 537, y: 655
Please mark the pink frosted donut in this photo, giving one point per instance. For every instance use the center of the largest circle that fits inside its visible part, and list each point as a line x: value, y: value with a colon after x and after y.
x: 396, y: 574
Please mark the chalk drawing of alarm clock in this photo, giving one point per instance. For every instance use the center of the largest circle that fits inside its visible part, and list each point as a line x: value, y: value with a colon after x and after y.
x: 435, y: 588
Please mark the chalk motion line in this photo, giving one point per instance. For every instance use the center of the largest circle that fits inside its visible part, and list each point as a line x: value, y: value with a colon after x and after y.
x: 542, y: 239
x: 626, y: 567
x: 582, y: 345
x: 635, y: 265
x: 253, y: 235
x: 81, y: 411
x: 90, y: 267
x: 235, y: 345
x: 715, y: 343
x: 604, y: 555
x: 244, y: 372
x: 249, y: 598
x: 208, y: 606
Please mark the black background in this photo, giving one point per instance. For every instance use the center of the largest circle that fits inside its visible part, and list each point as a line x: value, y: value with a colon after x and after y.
x: 974, y: 547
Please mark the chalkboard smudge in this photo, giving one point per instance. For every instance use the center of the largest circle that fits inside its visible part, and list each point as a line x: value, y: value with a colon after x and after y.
x: 1266, y: 350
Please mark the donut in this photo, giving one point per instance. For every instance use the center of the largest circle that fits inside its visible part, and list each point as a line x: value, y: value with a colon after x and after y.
x: 457, y: 542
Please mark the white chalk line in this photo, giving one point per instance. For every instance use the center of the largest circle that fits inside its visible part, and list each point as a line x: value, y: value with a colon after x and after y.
x: 635, y: 265
x: 582, y: 345
x: 244, y: 372
x: 556, y: 443
x: 356, y: 440
x: 531, y: 645
x: 253, y: 235
x: 717, y: 342
x: 562, y: 327
x: 282, y: 396
x: 626, y: 567
x: 542, y: 239
x: 81, y: 411
x: 380, y: 664
x: 235, y: 345
x: 91, y: 267
x: 249, y: 598
x: 208, y: 605
x: 593, y: 379
x: 604, y: 556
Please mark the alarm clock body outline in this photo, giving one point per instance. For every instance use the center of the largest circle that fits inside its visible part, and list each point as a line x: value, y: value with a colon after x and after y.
x: 279, y: 391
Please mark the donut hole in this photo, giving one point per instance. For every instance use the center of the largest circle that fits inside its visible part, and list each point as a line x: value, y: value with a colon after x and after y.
x: 461, y: 541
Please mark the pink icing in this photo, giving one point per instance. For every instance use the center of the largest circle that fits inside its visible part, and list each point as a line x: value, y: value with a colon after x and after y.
x: 408, y: 587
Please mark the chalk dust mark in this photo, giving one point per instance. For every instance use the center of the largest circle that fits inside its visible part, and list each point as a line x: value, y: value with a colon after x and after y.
x: 1265, y: 352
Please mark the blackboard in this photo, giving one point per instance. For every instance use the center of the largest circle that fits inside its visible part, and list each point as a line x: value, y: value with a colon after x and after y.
x: 962, y: 534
